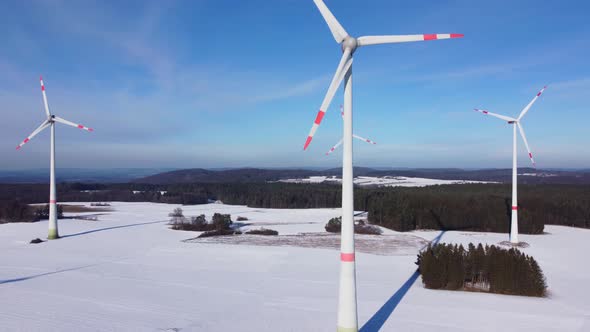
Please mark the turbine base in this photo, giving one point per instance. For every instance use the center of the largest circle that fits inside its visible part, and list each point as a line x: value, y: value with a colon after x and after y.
x: 53, y: 235
x: 347, y: 329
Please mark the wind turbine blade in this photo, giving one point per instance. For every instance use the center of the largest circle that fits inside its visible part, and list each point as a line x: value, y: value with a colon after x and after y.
x: 44, y: 97
x: 505, y: 118
x: 343, y: 67
x: 526, y: 143
x: 337, y: 30
x: 374, y: 40
x: 528, y: 107
x: 363, y: 139
x: 58, y: 119
x: 39, y: 129
x: 334, y: 147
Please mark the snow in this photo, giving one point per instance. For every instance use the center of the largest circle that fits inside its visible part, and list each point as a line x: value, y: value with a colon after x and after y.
x: 386, y: 181
x: 128, y: 271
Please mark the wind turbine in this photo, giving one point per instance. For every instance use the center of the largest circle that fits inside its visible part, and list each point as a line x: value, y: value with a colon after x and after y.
x: 347, y: 310
x: 50, y: 122
x: 515, y: 124
x: 366, y: 140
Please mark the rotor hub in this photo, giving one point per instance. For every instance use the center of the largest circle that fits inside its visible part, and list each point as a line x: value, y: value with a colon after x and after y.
x: 350, y: 43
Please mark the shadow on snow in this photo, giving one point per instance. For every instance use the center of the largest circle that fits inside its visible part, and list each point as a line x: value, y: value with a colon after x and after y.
x: 111, y: 228
x: 8, y: 281
x: 376, y: 322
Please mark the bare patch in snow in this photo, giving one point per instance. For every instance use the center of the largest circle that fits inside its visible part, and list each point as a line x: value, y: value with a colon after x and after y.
x: 384, y: 245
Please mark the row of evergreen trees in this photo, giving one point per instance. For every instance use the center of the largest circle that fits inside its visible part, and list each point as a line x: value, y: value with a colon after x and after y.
x: 475, y: 207
x: 489, y: 269
x: 16, y: 211
x: 199, y: 223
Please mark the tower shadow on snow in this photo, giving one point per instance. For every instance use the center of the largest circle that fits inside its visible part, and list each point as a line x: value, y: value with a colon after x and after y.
x: 9, y: 281
x: 112, y: 227
x: 376, y: 322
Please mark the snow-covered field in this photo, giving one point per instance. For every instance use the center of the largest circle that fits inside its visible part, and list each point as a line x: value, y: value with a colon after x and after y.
x: 128, y: 272
x: 386, y: 181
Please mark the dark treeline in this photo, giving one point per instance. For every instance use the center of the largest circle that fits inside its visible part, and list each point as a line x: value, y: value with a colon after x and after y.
x: 488, y: 269
x: 475, y: 207
x: 17, y: 211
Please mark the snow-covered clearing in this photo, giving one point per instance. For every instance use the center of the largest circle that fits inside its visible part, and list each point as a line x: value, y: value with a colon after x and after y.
x: 386, y: 181
x: 128, y: 271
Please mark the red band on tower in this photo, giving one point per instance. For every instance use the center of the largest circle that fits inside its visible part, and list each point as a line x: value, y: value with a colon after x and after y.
x: 347, y: 257
x: 515, y: 208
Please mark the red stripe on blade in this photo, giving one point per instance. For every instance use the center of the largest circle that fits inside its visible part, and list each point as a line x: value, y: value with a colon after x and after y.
x: 307, y: 141
x: 347, y: 257
x: 42, y: 87
x: 430, y: 37
x: 457, y: 35
x: 319, y: 117
x: 530, y: 155
x: 81, y: 126
x: 26, y: 140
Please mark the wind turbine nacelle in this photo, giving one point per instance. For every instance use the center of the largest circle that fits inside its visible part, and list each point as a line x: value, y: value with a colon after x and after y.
x: 350, y: 43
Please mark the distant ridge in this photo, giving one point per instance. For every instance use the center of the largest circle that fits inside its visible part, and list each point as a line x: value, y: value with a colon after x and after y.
x: 251, y: 175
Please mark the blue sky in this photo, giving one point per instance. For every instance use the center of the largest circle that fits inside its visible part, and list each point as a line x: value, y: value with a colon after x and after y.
x: 237, y: 83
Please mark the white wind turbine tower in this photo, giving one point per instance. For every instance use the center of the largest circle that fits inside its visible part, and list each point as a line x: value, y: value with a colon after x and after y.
x: 50, y: 122
x: 347, y: 311
x: 366, y: 140
x: 516, y: 123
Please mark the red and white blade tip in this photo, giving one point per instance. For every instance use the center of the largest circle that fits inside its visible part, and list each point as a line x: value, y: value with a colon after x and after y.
x: 85, y: 128
x: 532, y: 160
x: 436, y: 36
x: 316, y: 124
x: 307, y: 141
x: 481, y: 111
x: 540, y: 92
x: 23, y: 143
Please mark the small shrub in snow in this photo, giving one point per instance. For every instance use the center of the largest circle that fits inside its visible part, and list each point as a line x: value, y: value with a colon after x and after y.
x: 35, y: 241
x: 199, y: 221
x: 176, y: 213
x: 335, y: 226
x: 367, y: 229
x: 262, y: 231
x: 221, y: 221
x: 242, y: 218
x: 219, y: 232
x: 100, y: 204
x: 177, y: 219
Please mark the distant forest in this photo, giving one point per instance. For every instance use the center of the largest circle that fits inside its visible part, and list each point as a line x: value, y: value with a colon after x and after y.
x: 473, y: 207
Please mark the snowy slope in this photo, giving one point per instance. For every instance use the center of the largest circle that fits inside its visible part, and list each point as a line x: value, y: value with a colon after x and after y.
x: 386, y: 181
x: 129, y: 272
